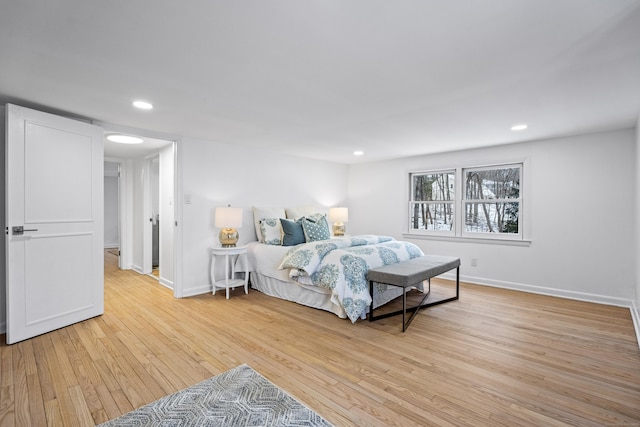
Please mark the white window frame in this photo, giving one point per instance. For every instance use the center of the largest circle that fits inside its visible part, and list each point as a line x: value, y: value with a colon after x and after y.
x: 454, y: 204
x: 464, y: 201
x: 458, y: 233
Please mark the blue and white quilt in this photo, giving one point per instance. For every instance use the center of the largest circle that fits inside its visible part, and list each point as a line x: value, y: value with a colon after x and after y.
x: 341, y: 265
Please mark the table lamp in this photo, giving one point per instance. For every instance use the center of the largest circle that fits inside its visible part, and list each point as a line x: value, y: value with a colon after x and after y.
x: 338, y: 216
x: 228, y: 219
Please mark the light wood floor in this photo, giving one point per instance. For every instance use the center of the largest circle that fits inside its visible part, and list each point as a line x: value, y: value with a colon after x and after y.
x: 493, y: 358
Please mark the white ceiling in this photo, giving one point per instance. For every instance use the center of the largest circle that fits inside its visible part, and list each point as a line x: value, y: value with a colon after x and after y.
x: 322, y: 78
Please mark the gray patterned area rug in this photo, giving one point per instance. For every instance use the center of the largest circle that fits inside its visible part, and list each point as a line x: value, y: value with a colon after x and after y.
x: 238, y: 397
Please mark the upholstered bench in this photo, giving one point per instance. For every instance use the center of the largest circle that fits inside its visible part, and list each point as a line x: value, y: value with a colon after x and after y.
x: 410, y: 273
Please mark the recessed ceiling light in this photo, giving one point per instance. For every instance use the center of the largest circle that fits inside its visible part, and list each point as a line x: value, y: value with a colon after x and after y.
x: 358, y: 153
x: 143, y: 105
x: 519, y: 127
x: 124, y: 139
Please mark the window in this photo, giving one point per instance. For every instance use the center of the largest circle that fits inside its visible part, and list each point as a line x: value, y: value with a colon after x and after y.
x: 491, y: 200
x: 467, y: 202
x: 432, y: 201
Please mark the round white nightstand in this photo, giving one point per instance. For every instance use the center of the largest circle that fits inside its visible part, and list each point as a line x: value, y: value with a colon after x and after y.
x: 230, y: 258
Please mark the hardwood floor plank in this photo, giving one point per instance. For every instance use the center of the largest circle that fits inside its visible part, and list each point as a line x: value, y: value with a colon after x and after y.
x: 21, y: 390
x: 110, y: 408
x: 61, y: 407
x: 127, y: 381
x: 37, y: 413
x: 44, y: 375
x: 79, y: 402
x: 54, y: 416
x: 90, y: 396
x: 7, y: 415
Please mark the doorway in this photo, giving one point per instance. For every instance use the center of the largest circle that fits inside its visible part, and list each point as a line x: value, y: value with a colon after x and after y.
x: 147, y: 217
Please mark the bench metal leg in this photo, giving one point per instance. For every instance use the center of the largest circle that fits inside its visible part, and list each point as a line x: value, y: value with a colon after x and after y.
x: 415, y: 309
x: 442, y: 301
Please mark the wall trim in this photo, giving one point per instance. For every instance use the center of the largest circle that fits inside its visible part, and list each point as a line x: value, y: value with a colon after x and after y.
x: 542, y: 290
x: 166, y: 283
x: 635, y: 316
x: 137, y: 269
x: 196, y: 291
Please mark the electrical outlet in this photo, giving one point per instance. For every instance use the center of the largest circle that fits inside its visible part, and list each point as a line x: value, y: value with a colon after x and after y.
x: 474, y: 262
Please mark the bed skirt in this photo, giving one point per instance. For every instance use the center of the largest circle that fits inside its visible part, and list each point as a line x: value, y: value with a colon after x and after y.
x: 312, y: 296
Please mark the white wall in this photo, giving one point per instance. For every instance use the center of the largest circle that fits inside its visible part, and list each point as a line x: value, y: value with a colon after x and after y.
x: 126, y: 213
x: 138, y: 218
x: 167, y: 217
x: 220, y: 174
x: 581, y: 203
x: 111, y: 231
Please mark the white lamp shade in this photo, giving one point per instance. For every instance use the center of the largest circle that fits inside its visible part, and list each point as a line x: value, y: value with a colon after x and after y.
x: 228, y: 217
x: 339, y: 214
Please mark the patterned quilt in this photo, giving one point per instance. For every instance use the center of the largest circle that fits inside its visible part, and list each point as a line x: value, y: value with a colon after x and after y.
x: 341, y: 265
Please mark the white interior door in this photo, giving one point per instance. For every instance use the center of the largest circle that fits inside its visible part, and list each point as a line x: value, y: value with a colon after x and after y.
x: 54, y: 170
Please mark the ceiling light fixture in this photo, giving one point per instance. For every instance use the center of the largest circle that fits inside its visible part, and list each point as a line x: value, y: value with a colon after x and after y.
x: 358, y: 153
x: 143, y: 105
x: 124, y: 139
x: 519, y: 127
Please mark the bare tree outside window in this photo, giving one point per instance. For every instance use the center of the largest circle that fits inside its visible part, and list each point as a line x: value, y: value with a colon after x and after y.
x: 432, y: 201
x: 492, y: 200
x: 488, y: 203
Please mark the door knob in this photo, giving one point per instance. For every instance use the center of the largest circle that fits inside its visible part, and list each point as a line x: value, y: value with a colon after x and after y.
x: 18, y: 230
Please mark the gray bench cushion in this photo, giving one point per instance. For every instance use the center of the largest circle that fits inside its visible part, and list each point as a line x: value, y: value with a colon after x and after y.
x: 413, y: 271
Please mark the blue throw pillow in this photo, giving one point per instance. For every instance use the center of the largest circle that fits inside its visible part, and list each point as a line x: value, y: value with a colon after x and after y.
x: 293, y: 233
x: 315, y: 228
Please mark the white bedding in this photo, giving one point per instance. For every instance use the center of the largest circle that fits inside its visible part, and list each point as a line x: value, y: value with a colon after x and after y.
x: 266, y: 276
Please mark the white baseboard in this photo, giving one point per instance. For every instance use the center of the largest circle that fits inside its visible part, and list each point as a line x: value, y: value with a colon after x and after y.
x: 137, y: 269
x: 196, y: 291
x: 166, y: 283
x: 553, y: 292
x: 635, y: 315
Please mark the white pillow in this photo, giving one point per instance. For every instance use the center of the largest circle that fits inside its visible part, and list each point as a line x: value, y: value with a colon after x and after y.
x: 302, y: 211
x: 271, y: 231
x: 262, y: 213
x: 299, y: 212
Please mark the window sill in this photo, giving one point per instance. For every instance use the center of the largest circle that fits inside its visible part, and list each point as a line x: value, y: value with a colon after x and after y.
x: 481, y: 240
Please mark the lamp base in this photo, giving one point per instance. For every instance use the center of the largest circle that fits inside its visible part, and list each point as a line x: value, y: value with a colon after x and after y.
x: 338, y: 229
x: 228, y: 237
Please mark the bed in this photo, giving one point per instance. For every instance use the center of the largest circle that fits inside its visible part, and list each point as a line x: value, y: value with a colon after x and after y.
x: 324, y: 272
